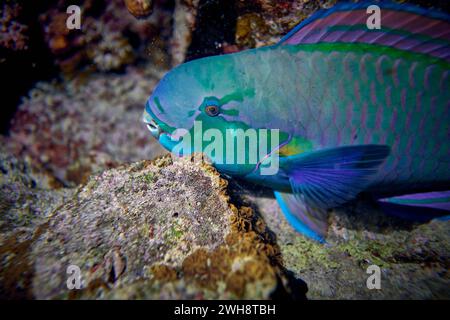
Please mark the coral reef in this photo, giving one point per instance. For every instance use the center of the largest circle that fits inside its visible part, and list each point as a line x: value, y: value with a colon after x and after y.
x: 159, y: 229
x: 86, y: 125
x: 109, y: 39
x: 164, y: 228
x: 184, y: 16
x: 111, y: 53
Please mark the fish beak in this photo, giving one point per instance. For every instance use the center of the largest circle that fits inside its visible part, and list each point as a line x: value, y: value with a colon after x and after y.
x: 152, y: 126
x: 154, y: 129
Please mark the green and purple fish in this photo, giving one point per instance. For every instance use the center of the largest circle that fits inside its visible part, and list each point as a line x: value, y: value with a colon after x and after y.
x: 355, y: 110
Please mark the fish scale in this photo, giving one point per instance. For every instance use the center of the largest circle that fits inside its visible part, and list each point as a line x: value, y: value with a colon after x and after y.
x: 379, y: 104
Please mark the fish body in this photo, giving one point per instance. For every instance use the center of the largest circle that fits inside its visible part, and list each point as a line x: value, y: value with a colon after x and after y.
x: 352, y: 97
x: 352, y: 116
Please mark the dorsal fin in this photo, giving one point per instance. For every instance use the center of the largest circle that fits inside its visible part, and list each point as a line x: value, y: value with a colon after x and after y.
x: 403, y: 26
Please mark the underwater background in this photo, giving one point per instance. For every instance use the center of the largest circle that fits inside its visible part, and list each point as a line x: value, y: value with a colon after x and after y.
x: 79, y: 184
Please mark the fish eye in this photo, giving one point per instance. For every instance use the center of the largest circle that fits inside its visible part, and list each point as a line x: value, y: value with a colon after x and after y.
x: 212, y: 110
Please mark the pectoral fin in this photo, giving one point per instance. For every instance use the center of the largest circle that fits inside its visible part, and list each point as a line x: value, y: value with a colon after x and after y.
x: 325, y: 179
x: 331, y: 177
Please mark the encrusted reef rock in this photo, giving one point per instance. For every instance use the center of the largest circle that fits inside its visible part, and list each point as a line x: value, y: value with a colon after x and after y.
x: 264, y: 22
x: 414, y: 258
x: 159, y: 229
x: 27, y: 198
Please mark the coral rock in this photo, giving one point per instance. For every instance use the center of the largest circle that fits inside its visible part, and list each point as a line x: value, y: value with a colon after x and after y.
x: 184, y: 23
x: 161, y: 229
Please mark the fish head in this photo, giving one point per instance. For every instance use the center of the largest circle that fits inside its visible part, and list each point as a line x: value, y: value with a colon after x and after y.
x: 197, y: 106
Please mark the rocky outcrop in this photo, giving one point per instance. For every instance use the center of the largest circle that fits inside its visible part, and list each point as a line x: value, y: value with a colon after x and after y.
x: 147, y: 230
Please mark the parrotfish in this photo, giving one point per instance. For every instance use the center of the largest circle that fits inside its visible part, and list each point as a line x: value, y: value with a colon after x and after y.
x: 355, y: 110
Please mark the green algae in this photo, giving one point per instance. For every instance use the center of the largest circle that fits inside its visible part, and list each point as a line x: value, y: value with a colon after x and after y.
x: 367, y: 253
x: 303, y: 254
x: 149, y: 177
x: 176, y: 231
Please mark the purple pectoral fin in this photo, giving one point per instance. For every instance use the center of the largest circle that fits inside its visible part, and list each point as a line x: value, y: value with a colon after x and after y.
x: 419, y: 207
x: 331, y: 177
x: 325, y: 179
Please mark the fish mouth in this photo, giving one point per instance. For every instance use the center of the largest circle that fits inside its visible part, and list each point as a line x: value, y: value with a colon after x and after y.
x: 154, y: 129
x: 152, y: 126
x: 160, y: 131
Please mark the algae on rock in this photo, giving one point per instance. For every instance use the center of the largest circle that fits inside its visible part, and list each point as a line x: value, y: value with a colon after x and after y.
x: 162, y: 229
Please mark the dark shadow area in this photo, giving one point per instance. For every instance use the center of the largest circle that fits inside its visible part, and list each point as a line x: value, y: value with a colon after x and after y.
x: 366, y: 213
x: 22, y: 68
x: 443, y: 5
x: 216, y: 24
x: 236, y: 189
x: 298, y: 288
